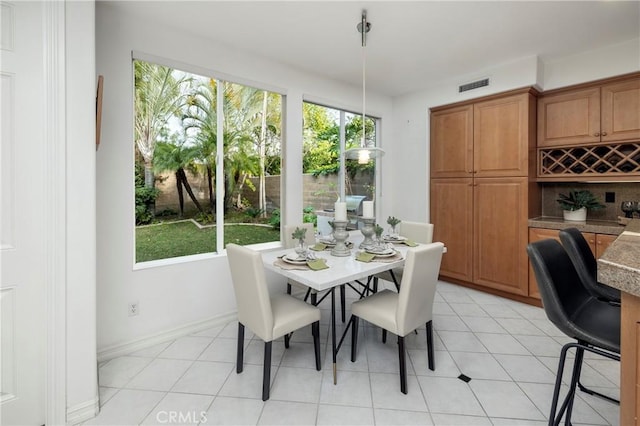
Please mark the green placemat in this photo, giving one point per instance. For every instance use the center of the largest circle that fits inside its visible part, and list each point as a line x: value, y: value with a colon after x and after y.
x: 410, y: 243
x: 317, y: 264
x: 363, y: 256
x: 318, y: 247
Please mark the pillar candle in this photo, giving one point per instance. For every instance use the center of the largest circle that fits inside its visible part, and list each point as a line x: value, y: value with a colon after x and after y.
x: 341, y: 211
x: 367, y: 209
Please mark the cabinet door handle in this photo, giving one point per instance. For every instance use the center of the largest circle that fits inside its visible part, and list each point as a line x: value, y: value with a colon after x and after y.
x: 596, y: 134
x: 604, y: 133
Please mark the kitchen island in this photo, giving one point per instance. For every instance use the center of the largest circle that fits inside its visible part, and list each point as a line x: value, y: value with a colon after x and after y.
x: 619, y: 267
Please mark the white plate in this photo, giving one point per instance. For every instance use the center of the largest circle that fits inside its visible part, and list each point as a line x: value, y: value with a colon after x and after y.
x: 384, y: 252
x: 393, y: 253
x: 397, y: 239
x: 293, y: 258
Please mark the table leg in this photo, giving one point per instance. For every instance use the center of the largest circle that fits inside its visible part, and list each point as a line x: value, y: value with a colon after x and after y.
x: 333, y: 334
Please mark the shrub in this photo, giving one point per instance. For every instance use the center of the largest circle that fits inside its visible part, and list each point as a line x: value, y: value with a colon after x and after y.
x: 309, y: 216
x: 275, y: 219
x: 145, y: 199
x: 253, y: 212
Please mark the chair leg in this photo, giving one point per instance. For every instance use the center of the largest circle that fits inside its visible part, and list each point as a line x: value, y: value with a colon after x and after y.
x: 287, y: 339
x: 430, y: 353
x: 354, y: 337
x: 306, y: 295
x: 315, y: 330
x: 288, y: 288
x: 567, y: 405
x: 575, y: 378
x: 240, y: 351
x: 266, y: 374
x: 384, y: 336
x: 591, y: 392
x: 375, y: 284
x: 403, y: 365
x: 343, y: 302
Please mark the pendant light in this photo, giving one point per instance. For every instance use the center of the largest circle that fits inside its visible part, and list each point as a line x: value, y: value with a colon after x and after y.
x: 363, y: 153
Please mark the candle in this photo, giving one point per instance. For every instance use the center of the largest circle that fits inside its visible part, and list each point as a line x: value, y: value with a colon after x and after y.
x: 367, y: 209
x: 341, y: 211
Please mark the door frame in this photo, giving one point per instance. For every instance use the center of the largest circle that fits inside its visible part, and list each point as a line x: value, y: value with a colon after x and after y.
x: 54, y: 29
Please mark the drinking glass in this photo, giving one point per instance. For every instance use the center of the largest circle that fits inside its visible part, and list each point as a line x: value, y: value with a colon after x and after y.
x: 628, y: 208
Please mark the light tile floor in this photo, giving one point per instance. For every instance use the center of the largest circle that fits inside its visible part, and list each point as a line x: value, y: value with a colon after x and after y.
x: 508, y: 349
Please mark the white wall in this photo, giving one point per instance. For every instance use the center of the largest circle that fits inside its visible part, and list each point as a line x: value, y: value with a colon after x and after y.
x: 82, y: 382
x: 178, y: 294
x: 613, y: 60
x: 411, y: 112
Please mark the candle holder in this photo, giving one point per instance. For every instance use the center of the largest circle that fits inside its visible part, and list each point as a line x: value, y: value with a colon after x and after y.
x: 368, y: 231
x: 341, y: 235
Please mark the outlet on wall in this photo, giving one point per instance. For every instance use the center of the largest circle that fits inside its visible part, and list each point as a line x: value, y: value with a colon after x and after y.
x: 133, y: 309
x: 609, y: 197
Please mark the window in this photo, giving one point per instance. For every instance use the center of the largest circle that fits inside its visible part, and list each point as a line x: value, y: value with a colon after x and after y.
x: 327, y: 133
x: 180, y: 168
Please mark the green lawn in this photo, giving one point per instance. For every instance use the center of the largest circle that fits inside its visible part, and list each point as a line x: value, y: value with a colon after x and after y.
x: 176, y: 239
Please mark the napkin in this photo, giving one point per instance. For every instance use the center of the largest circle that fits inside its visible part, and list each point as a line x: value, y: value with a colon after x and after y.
x: 410, y: 243
x: 318, y: 247
x: 363, y: 256
x: 317, y: 264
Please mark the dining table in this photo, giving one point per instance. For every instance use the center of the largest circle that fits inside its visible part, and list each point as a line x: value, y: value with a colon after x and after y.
x: 340, y: 270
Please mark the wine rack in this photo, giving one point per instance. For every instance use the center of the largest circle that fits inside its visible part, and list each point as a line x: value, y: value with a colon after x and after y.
x: 593, y: 162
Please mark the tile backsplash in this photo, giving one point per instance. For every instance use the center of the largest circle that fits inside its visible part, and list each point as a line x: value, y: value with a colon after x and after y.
x: 623, y: 192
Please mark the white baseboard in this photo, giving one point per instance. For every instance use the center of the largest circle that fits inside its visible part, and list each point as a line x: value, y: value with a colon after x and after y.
x: 84, y: 411
x: 115, y: 351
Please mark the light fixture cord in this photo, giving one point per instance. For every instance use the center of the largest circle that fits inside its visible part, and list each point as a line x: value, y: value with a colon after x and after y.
x: 364, y: 78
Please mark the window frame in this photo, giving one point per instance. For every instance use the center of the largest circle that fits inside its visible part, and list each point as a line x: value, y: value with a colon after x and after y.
x: 343, y: 110
x: 220, y: 78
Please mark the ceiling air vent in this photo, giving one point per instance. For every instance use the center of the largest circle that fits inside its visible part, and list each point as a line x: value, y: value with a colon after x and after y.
x: 473, y: 85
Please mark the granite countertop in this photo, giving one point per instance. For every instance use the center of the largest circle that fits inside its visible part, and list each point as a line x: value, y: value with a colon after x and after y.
x: 596, y: 226
x: 619, y: 266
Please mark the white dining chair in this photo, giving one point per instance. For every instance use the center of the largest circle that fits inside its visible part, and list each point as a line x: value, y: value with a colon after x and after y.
x: 290, y: 242
x: 418, y: 232
x: 403, y: 312
x: 267, y: 316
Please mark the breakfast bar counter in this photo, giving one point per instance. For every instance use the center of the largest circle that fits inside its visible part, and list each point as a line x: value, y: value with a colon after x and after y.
x: 619, y: 267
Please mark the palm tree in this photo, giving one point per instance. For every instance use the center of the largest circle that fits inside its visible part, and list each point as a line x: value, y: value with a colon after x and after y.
x: 244, y: 110
x: 158, y: 96
x: 200, y: 115
x: 175, y: 157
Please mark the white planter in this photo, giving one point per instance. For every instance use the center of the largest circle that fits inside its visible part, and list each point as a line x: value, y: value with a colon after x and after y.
x: 579, y: 215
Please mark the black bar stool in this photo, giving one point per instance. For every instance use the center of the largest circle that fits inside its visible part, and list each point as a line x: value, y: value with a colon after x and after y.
x: 594, y: 323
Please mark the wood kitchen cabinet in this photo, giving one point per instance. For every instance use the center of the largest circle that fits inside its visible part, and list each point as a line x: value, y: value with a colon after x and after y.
x: 501, y: 136
x: 603, y: 241
x: 500, y: 234
x: 485, y: 245
x: 598, y: 243
x: 452, y: 142
x: 484, y: 139
x: 481, y: 196
x: 538, y: 234
x: 630, y: 360
x: 590, y: 114
x: 452, y: 212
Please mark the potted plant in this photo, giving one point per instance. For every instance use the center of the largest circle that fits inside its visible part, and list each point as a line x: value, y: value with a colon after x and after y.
x: 393, y: 221
x: 576, y: 203
x: 299, y: 234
